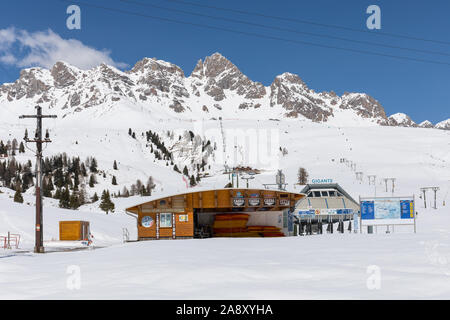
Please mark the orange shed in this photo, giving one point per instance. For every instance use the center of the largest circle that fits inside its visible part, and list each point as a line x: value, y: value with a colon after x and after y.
x: 74, y: 230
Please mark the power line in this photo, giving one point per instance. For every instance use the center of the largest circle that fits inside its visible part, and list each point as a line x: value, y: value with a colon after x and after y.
x: 256, y: 34
x: 310, y: 22
x: 286, y: 29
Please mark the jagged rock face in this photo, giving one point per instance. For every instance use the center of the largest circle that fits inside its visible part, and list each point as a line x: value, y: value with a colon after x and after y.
x: 215, y: 88
x: 28, y: 85
x: 401, y: 120
x: 445, y: 125
x: 162, y: 76
x: 365, y: 106
x: 426, y: 124
x: 62, y: 75
x: 221, y: 75
x: 289, y: 91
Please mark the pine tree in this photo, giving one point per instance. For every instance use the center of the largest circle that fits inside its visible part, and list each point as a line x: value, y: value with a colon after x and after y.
x: 82, y: 195
x: 150, y: 185
x: 192, y: 181
x: 106, y: 204
x: 115, y: 165
x: 45, y: 188
x: 83, y: 170
x: 125, y: 192
x: 21, y: 147
x: 74, y: 201
x: 59, y: 178
x: 175, y: 168
x: 57, y: 194
x: 93, y: 166
x: 114, y: 181
x: 94, y: 197
x: 92, y: 181
x: 18, y: 197
x: 64, y: 200
x: 185, y: 171
x: 76, y: 182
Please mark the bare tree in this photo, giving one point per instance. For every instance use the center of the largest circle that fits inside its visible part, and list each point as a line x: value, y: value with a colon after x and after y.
x: 302, y: 176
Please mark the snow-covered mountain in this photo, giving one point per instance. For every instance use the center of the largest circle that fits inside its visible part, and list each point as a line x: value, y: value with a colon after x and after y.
x: 215, y: 88
x: 154, y: 121
x: 426, y: 124
x: 443, y: 124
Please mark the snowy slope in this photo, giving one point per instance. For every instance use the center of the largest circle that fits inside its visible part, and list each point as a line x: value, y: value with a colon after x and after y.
x: 412, y: 266
x: 19, y: 219
x: 329, y: 266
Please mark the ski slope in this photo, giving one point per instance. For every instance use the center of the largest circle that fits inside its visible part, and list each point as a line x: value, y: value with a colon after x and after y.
x: 329, y: 266
x: 411, y: 266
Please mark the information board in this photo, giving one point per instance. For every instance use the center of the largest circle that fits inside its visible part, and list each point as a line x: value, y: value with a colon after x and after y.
x: 387, y: 211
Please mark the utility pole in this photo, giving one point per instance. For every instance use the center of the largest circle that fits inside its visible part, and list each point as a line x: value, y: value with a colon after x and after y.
x: 39, y: 232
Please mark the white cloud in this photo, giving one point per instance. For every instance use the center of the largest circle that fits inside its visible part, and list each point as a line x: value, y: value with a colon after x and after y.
x: 45, y: 48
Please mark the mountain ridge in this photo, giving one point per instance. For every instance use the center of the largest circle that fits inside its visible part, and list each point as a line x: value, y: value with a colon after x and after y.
x: 215, y: 88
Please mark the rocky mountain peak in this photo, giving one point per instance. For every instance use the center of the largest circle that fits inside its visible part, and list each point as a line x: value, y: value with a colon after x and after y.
x: 153, y: 83
x: 426, y: 124
x: 152, y: 65
x: 290, y: 78
x: 198, y: 70
x: 217, y: 64
x: 31, y: 82
x: 365, y: 106
x: 402, y: 120
x: 443, y: 125
x: 220, y: 74
x: 63, y: 74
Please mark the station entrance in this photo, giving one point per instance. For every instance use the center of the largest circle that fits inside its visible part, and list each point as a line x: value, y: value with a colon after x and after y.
x: 215, y: 213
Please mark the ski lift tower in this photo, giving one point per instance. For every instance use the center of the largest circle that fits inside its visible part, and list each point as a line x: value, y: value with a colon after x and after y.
x: 280, y: 181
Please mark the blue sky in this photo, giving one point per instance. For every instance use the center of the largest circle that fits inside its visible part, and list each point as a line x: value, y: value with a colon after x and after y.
x: 416, y: 88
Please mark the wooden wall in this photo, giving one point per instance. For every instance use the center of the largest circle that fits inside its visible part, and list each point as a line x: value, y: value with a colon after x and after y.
x: 73, y: 230
x: 212, y: 200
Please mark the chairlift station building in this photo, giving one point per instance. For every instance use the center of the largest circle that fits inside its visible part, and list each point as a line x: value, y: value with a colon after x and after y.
x: 193, y: 214
x: 240, y: 212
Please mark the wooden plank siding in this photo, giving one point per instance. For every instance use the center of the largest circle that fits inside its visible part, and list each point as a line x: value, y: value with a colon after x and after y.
x: 73, y: 230
x: 220, y: 200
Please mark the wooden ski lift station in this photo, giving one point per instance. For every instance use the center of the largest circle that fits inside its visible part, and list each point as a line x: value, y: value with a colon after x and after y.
x: 232, y: 212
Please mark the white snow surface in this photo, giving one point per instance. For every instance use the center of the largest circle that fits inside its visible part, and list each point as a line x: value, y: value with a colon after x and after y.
x: 412, y: 266
x: 328, y: 266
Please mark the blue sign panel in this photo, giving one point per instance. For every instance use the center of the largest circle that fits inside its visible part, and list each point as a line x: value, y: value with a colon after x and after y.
x: 387, y: 208
x: 367, y: 210
x: 407, y: 209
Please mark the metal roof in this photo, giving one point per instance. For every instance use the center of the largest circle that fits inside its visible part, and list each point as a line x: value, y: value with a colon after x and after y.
x: 321, y: 186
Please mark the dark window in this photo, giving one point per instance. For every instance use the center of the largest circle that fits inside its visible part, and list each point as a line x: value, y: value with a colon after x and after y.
x: 317, y: 194
x: 332, y: 193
